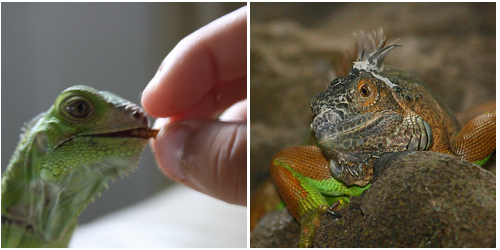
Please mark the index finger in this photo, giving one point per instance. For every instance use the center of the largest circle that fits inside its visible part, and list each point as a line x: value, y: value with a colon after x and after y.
x: 212, y: 56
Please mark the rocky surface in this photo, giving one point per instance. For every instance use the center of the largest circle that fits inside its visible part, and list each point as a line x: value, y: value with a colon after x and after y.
x: 418, y: 199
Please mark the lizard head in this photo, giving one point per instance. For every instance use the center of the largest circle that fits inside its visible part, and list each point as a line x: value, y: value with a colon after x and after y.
x: 89, y: 127
x: 360, y: 116
x: 85, y: 139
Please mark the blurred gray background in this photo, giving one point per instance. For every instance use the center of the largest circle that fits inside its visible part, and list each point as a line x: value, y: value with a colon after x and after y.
x: 47, y: 47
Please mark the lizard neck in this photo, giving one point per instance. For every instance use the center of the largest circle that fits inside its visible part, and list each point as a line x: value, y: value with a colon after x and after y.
x: 37, y: 212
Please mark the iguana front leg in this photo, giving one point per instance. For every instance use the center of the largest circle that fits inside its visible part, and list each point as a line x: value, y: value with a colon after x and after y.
x: 302, y: 177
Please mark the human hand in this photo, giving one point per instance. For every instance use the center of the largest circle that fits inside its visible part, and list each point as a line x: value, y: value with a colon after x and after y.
x: 205, y: 74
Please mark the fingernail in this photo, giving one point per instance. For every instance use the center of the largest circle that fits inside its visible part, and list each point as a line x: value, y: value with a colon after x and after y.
x: 170, y: 156
x: 160, y: 123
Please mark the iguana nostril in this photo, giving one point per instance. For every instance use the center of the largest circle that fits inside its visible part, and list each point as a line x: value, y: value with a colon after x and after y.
x: 136, y: 114
x: 139, y: 115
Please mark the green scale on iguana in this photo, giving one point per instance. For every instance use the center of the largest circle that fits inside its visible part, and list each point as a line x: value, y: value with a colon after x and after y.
x: 368, y: 112
x: 64, y: 160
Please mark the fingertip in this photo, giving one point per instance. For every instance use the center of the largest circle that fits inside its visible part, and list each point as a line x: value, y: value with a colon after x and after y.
x: 237, y: 112
x: 169, y: 147
x: 206, y: 155
x: 148, y: 95
x: 214, y: 54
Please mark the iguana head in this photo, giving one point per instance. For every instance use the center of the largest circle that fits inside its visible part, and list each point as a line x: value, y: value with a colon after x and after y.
x: 85, y: 139
x: 90, y: 132
x: 360, y: 116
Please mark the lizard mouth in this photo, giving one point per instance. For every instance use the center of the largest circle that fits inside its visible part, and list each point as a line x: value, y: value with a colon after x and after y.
x: 331, y: 125
x: 144, y: 133
x: 141, y: 133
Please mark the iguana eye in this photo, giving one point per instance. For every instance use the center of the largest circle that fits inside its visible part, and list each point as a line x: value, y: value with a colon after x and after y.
x: 77, y: 108
x: 366, y: 93
x: 365, y: 89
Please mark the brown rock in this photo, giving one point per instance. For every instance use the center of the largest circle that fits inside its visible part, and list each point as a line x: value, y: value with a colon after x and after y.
x: 419, y: 199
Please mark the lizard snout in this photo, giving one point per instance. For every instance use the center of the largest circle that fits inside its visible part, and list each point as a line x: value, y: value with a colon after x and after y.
x: 324, y: 121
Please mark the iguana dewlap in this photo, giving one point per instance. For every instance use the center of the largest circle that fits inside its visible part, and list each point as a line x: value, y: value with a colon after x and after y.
x: 64, y: 159
x: 361, y: 116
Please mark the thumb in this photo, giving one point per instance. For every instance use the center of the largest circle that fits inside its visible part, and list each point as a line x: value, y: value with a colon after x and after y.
x: 206, y: 155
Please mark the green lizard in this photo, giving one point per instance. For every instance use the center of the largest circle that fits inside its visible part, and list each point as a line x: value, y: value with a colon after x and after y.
x: 64, y: 159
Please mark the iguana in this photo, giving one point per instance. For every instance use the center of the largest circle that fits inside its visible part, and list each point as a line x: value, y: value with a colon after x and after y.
x: 366, y: 113
x: 64, y: 159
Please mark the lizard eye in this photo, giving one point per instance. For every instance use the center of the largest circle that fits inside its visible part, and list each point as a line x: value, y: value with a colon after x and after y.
x: 365, y: 89
x: 366, y: 93
x: 77, y: 108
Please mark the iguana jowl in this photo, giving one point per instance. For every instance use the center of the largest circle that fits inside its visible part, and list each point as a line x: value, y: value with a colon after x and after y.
x: 64, y: 159
x: 362, y: 115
